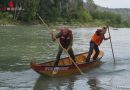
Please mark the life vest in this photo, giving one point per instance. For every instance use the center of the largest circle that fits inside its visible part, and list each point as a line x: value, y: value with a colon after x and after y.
x: 97, y: 38
x: 65, y: 40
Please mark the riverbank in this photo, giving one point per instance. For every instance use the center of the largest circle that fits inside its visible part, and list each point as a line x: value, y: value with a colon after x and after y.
x: 5, y: 22
x: 12, y: 22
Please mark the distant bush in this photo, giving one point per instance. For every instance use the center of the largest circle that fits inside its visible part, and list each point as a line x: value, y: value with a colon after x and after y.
x: 107, y: 17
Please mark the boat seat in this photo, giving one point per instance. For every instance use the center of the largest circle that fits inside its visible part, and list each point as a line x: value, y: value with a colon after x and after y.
x: 80, y: 59
x: 61, y: 62
x: 68, y: 62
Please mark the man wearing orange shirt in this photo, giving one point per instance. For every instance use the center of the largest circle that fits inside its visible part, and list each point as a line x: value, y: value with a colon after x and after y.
x: 95, y: 42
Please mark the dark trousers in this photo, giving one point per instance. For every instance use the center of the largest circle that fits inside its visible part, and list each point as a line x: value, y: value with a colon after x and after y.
x: 70, y: 52
x: 95, y: 47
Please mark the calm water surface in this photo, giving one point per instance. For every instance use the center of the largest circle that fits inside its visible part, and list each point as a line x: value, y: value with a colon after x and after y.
x: 19, y: 45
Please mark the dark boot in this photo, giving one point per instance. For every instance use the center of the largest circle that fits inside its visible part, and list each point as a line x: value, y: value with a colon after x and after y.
x: 71, y: 53
x: 88, y: 57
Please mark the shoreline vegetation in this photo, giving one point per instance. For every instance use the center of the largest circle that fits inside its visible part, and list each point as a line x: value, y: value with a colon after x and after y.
x: 58, y: 13
x: 52, y: 25
x: 74, y: 25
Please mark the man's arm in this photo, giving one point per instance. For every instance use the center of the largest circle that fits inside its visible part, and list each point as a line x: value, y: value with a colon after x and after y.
x: 54, y: 37
x: 107, y: 38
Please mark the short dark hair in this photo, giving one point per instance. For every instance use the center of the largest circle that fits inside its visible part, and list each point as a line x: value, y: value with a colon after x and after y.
x: 104, y: 27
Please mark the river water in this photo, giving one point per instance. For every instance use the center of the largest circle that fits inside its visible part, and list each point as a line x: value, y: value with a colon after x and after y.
x: 19, y: 45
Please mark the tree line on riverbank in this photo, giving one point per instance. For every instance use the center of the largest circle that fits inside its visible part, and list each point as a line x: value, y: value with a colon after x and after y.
x: 59, y: 12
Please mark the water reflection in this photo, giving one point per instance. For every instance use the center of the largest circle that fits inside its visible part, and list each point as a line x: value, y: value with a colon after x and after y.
x: 93, y: 83
x: 67, y: 83
x: 57, y: 83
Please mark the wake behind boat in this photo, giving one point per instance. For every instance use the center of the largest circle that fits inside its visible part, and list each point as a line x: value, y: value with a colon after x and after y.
x: 65, y: 66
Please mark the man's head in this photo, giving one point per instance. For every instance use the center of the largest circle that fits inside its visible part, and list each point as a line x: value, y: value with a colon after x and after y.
x: 65, y: 30
x: 104, y: 29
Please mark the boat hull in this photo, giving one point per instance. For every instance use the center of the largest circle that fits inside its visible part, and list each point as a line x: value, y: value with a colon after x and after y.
x: 65, y: 66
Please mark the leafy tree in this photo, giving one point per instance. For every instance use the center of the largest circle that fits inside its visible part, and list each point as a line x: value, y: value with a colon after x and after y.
x: 108, y: 17
x: 30, y: 10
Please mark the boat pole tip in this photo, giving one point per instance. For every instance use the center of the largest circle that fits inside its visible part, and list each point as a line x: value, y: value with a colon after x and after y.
x: 54, y: 72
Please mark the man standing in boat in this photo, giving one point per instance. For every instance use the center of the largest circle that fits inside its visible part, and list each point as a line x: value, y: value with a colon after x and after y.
x: 65, y: 38
x: 95, y: 41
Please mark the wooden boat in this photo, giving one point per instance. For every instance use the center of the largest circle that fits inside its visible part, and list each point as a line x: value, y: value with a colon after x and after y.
x: 65, y: 66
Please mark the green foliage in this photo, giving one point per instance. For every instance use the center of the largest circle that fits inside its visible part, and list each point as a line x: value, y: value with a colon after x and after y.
x: 63, y: 11
x: 6, y: 18
x: 6, y: 15
x: 50, y: 10
x: 30, y: 10
x: 83, y: 16
x: 108, y: 17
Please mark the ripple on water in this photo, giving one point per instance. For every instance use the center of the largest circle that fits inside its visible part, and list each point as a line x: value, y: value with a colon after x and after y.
x: 19, y: 45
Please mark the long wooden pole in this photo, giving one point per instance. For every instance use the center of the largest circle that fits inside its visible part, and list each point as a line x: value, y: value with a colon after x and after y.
x: 111, y: 45
x: 61, y: 46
